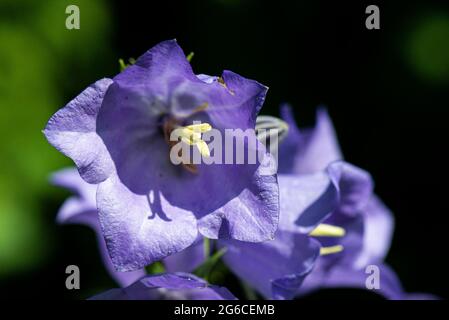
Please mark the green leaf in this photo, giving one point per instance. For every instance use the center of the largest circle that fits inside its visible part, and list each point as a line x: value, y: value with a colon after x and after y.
x: 205, y: 269
x: 155, y: 268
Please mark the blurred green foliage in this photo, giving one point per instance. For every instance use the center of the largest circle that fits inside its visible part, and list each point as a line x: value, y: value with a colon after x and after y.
x: 427, y: 48
x: 40, y: 62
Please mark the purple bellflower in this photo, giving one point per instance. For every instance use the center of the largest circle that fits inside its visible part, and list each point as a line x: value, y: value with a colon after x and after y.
x: 116, y: 133
x: 367, y: 222
x: 331, y: 224
x: 168, y: 286
x: 277, y: 268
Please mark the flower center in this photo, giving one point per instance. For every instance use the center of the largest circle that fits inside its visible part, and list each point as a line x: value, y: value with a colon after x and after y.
x: 190, y: 135
x: 328, y: 230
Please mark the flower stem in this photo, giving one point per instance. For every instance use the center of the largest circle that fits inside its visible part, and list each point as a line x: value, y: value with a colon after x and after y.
x: 250, y: 294
x: 206, y: 248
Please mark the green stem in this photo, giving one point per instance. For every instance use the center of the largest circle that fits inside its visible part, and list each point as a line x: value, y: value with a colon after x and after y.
x: 190, y: 56
x: 206, y: 248
x: 250, y: 294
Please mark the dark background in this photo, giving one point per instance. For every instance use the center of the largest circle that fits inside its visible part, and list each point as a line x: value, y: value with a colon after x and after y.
x: 386, y: 91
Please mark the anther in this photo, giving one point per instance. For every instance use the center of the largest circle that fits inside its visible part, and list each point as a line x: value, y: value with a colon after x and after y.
x: 330, y: 250
x: 327, y: 230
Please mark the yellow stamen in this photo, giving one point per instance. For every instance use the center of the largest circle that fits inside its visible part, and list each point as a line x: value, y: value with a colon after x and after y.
x: 327, y: 230
x: 192, y: 136
x: 330, y: 250
x: 200, y: 127
x: 203, y: 148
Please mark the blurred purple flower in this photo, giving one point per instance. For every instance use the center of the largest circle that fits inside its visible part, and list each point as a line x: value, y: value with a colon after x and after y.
x: 277, y: 268
x: 149, y: 208
x: 368, y: 223
x: 309, y: 150
x: 331, y: 224
x: 168, y: 286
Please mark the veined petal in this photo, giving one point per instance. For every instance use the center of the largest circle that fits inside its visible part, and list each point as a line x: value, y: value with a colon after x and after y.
x: 168, y: 286
x: 141, y: 229
x: 306, y: 201
x: 233, y: 101
x: 354, y: 184
x: 378, y: 233
x: 72, y: 131
x: 82, y: 209
x: 274, y: 268
x: 186, y: 260
x: 252, y: 215
x: 158, y: 71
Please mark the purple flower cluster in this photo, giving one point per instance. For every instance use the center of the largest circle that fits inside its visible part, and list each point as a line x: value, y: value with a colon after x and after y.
x: 315, y: 224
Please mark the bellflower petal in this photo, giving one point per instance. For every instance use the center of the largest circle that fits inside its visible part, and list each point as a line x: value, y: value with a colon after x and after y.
x: 378, y: 232
x: 237, y: 219
x: 355, y: 186
x: 306, y: 200
x: 139, y: 229
x: 72, y: 131
x: 168, y: 286
x: 309, y: 150
x: 275, y: 268
x: 420, y: 296
x: 340, y: 277
x: 187, y: 260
